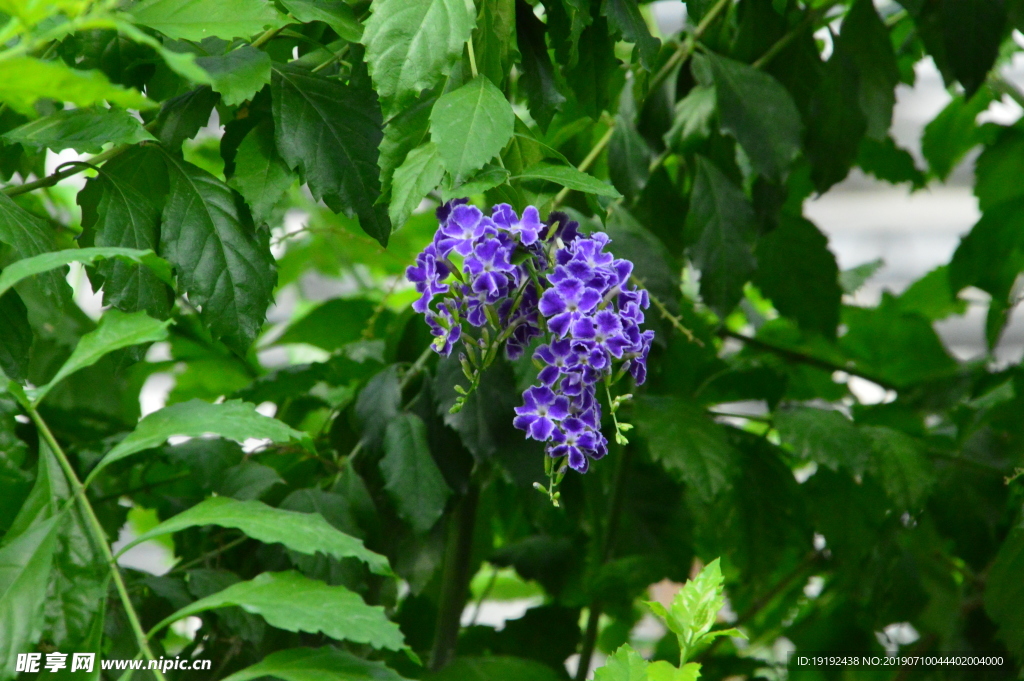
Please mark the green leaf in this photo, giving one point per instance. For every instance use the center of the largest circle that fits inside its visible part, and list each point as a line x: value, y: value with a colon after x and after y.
x: 837, y: 123
x: 797, y: 271
x: 403, y: 133
x: 15, y: 338
x: 330, y: 133
x: 683, y: 439
x: 759, y: 113
x: 27, y: 80
x: 538, y: 79
x: 629, y: 157
x: 290, y: 601
x: 411, y: 477
x: 200, y: 19
x: 248, y: 481
x: 121, y: 216
x: 663, y: 671
x: 25, y: 563
x: 238, y: 74
x: 625, y: 17
x: 470, y: 126
x: 319, y: 664
x: 494, y: 40
x: 116, y: 330
x: 954, y: 132
x: 1004, y: 590
x: 232, y: 419
x: 261, y: 176
x: 335, y: 13
x: 181, y: 117
x: 487, y: 179
x: 996, y: 168
x: 695, y: 608
x: 84, y: 130
x: 866, y: 39
x: 222, y: 261
x: 720, y: 227
x: 306, y: 533
x: 30, y: 237
x: 852, y: 279
x: 332, y: 324
x: 569, y: 177
x: 412, y: 44
x: 182, y: 63
x: 973, y: 30
x: 28, y: 267
x: 932, y: 297
x: 825, y: 437
x: 693, y: 118
x: 625, y: 664
x: 496, y: 668
x: 418, y: 175
x: 888, y: 162
x: 900, y: 462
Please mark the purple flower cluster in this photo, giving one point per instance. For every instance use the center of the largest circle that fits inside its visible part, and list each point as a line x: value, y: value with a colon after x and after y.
x: 523, y: 279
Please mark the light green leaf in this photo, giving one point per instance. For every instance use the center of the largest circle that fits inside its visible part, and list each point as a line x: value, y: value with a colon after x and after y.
x: 625, y: 664
x: 758, y: 111
x: 411, y: 477
x: 403, y: 133
x: 686, y: 442
x: 330, y: 132
x: 27, y: 80
x: 412, y: 44
x: 335, y: 13
x: 663, y: 671
x: 852, y: 279
x: 182, y: 63
x: 694, y: 114
x: 321, y: 664
x: 239, y: 74
x: 290, y: 601
x: 569, y: 177
x: 488, y: 178
x: 419, y: 174
x: 232, y: 419
x: 84, y: 130
x: 695, y: 609
x: 23, y: 269
x: 223, y: 262
x: 471, y: 125
x: 261, y: 175
x: 199, y: 19
x: 116, y: 330
x: 303, y: 532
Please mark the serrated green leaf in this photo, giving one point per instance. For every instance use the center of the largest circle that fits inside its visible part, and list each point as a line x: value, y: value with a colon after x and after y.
x: 538, y: 79
x: 625, y: 17
x: 412, y: 44
x: 200, y: 19
x: 852, y: 279
x: 695, y: 608
x: 825, y: 437
x: 899, y: 461
x: 15, y: 339
x: 954, y: 132
x: 889, y: 162
x: 418, y: 175
x: 330, y: 133
x: 84, y: 130
x: 758, y: 111
x: 238, y: 74
x: 569, y: 177
x: 116, y: 330
x: 494, y: 41
x: 335, y: 13
x: 865, y: 37
x: 487, y: 179
x: 180, y: 118
x: 973, y: 30
x: 686, y: 442
x: 932, y: 297
x: 306, y: 533
x: 261, y: 176
x: 222, y: 261
x: 720, y: 227
x: 320, y: 664
x: 835, y: 131
x: 290, y: 601
x: 27, y: 80
x: 411, y: 477
x: 694, y: 115
x: 997, y: 168
x: 1004, y: 590
x: 470, y: 126
x: 625, y: 664
x: 663, y: 671
x: 233, y: 419
x: 403, y: 133
x: 30, y: 237
x: 28, y: 267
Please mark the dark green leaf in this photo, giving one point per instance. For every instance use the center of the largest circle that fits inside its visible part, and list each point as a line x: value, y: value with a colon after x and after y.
x: 487, y: 179
x: 852, y: 279
x: 411, y: 477
x: 797, y: 271
x: 900, y: 463
x: 653, y: 265
x: 624, y: 16
x: 47, y: 262
x: 494, y: 669
x: 238, y: 74
x: 720, y: 227
x: 402, y: 134
x: 15, y: 337
x: 412, y: 44
x: 247, y: 481
x: 596, y: 77
x: 686, y: 442
x: 494, y: 42
x: 951, y: 134
x: 84, y: 130
x: 888, y: 162
x: 330, y: 132
x: 470, y: 126
x: 569, y: 177
x: 332, y: 324
x: 30, y: 236
x: 759, y: 113
x: 335, y: 13
x: 308, y: 664
x: 26, y: 562
x: 223, y: 262
x: 693, y: 118
x: 538, y: 79
x: 825, y: 437
x: 973, y: 30
x: 629, y: 158
x: 931, y: 296
x: 199, y: 19
x: 866, y: 39
x: 378, y: 405
x: 836, y: 121
x: 261, y: 175
x: 997, y: 168
x: 181, y: 118
x: 289, y: 601
x: 418, y: 175
x: 1004, y: 591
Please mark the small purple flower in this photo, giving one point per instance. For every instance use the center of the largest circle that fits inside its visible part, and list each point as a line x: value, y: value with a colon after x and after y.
x: 446, y: 327
x: 559, y: 357
x: 464, y: 226
x: 540, y: 412
x: 575, y: 441
x: 566, y: 302
x: 489, y: 267
x: 605, y: 329
x: 427, y: 274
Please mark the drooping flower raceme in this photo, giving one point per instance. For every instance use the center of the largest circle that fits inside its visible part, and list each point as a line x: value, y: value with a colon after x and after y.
x: 521, y: 279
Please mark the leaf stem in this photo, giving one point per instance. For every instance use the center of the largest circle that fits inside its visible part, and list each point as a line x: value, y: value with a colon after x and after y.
x: 687, y: 47
x: 665, y: 314
x: 785, y: 40
x: 472, y: 58
x: 99, y: 536
x: 50, y: 180
x: 266, y: 36
x: 587, y: 162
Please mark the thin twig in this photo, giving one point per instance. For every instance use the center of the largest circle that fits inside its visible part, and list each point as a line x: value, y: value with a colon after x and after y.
x: 587, y: 162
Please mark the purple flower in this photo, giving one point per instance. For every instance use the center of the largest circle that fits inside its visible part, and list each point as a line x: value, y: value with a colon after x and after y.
x: 427, y: 274
x: 605, y: 329
x: 540, y: 412
x: 559, y: 357
x: 575, y: 441
x: 489, y: 267
x: 446, y: 327
x: 465, y: 224
x: 566, y: 302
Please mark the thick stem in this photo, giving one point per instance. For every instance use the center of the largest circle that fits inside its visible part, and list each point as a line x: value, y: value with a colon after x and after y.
x: 455, y: 578
x: 607, y: 548
x: 99, y: 536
